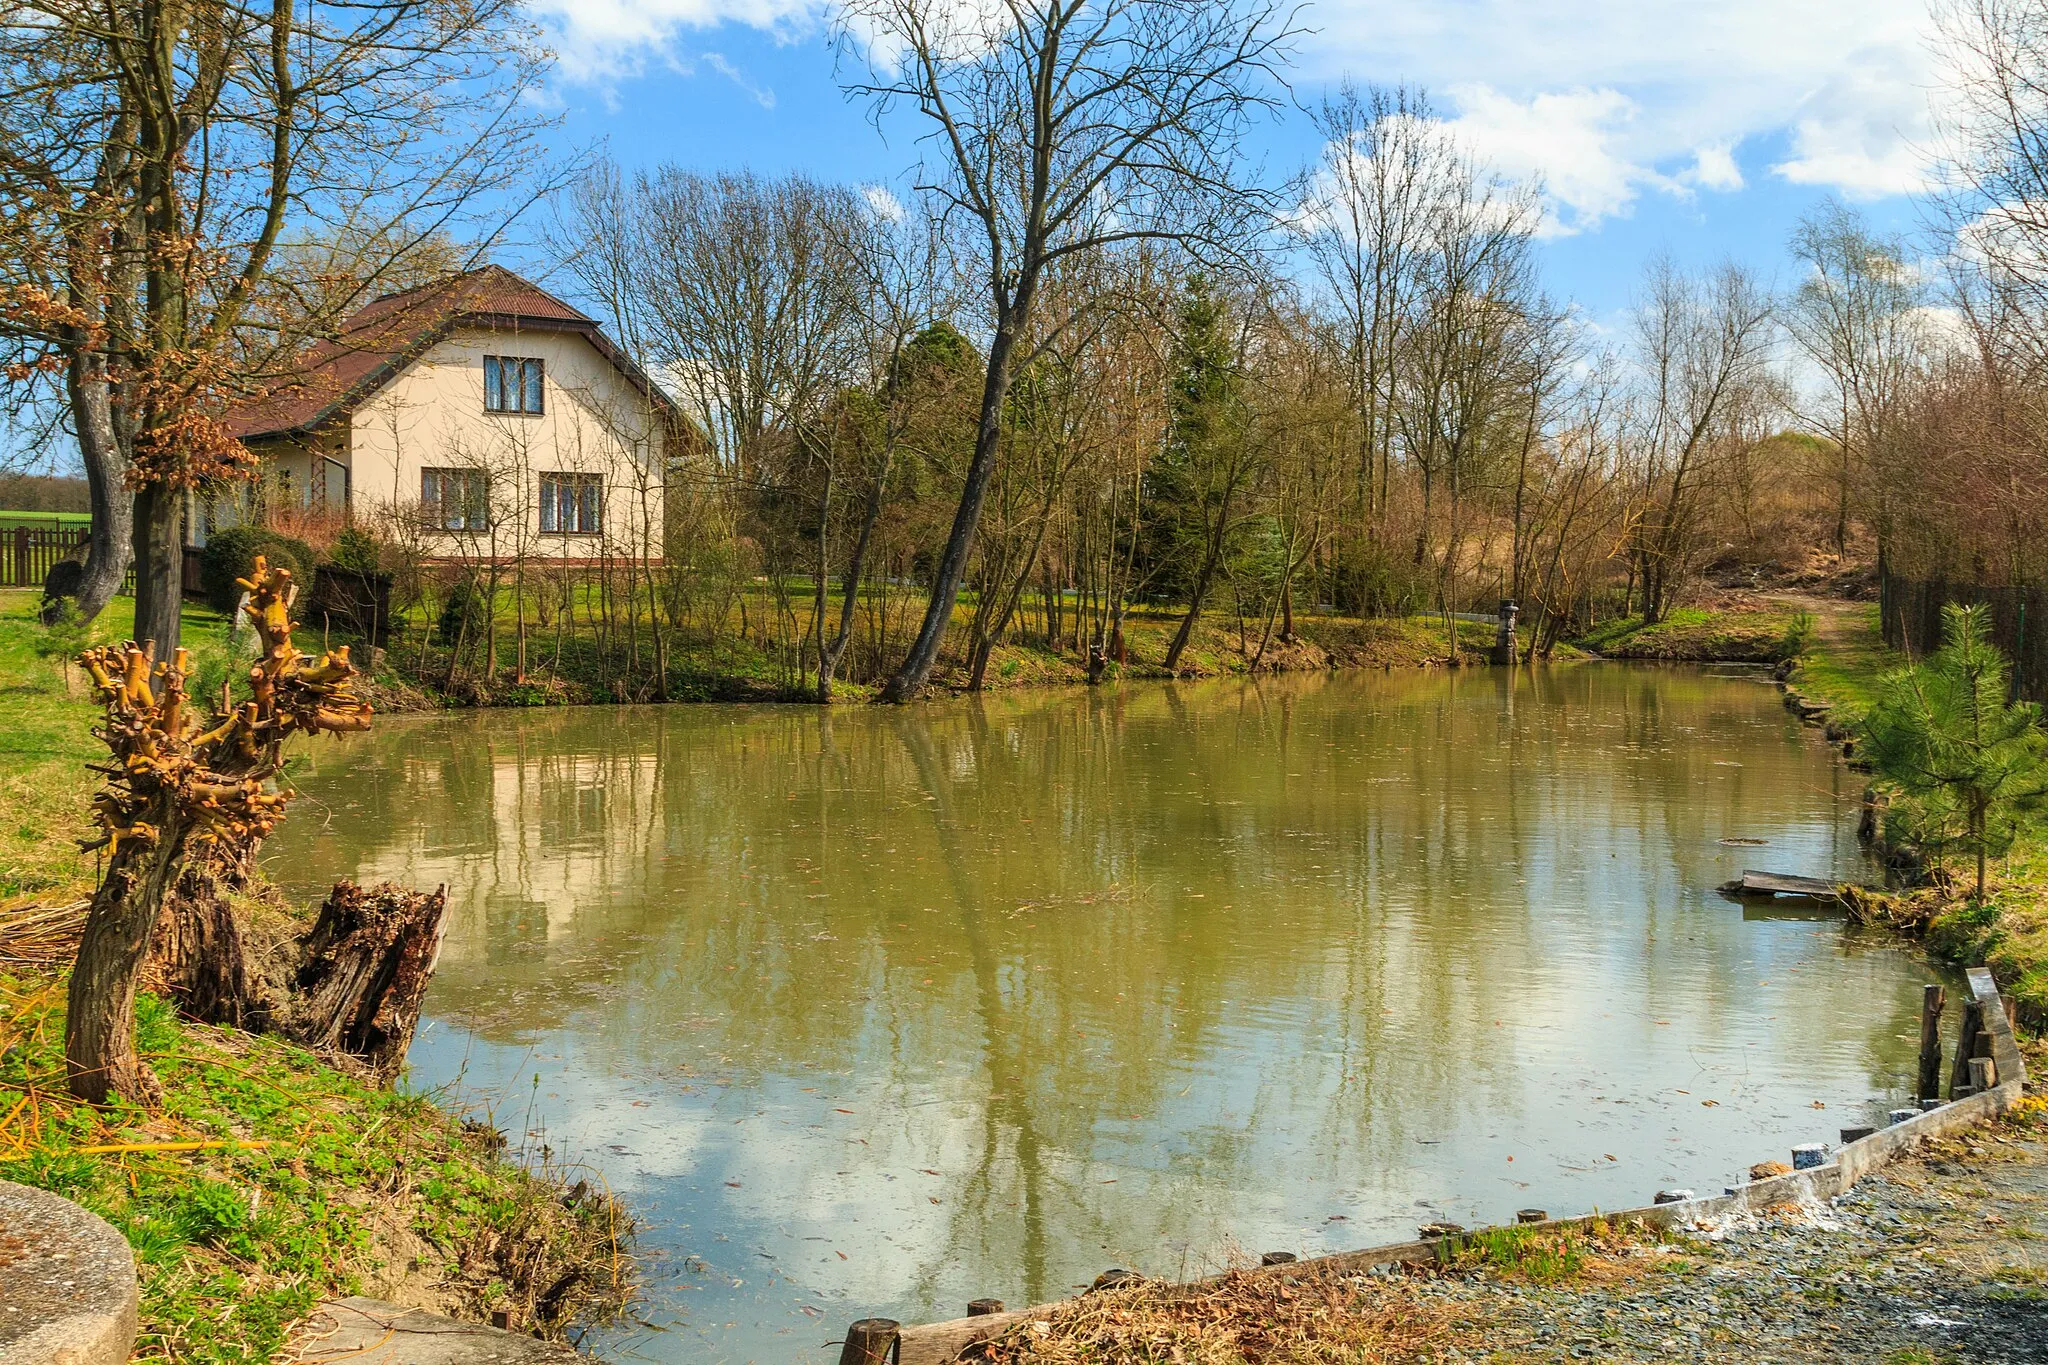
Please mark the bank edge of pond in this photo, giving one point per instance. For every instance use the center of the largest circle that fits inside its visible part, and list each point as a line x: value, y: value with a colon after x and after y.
x: 1738, y: 631
x: 1083, y: 1329
x: 307, y: 1184
x: 363, y: 1188
x: 1831, y: 686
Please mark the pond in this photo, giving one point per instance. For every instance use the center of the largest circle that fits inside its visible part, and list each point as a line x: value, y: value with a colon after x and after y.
x: 875, y: 1011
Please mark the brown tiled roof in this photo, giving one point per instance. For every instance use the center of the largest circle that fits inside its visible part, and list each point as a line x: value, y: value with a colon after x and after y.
x: 384, y: 336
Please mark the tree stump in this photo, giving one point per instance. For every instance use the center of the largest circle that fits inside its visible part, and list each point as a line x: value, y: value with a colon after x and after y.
x: 363, y: 972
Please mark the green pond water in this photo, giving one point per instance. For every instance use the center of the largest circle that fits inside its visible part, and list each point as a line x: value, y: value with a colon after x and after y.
x: 874, y: 1011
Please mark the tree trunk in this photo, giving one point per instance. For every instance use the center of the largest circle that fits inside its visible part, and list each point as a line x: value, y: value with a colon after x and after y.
x: 99, y: 1021
x: 106, y: 469
x: 1210, y: 562
x: 938, y: 613
x: 197, y: 950
x: 159, y: 566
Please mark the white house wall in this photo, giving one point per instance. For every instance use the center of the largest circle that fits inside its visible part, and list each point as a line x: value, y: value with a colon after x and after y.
x: 595, y: 421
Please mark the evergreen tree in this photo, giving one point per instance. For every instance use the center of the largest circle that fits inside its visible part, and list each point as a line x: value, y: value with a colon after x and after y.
x: 1195, y: 490
x: 1970, y: 762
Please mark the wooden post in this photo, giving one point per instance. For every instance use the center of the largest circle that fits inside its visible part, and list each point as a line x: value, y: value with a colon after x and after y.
x: 983, y: 1308
x: 1966, y: 1047
x: 872, y: 1341
x: 1932, y: 1000
x: 1983, y: 1074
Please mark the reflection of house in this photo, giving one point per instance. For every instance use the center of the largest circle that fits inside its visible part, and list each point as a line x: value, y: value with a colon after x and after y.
x: 481, y: 408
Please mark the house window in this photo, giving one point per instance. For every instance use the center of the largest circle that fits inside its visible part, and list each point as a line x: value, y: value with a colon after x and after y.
x: 572, y: 504
x: 511, y: 384
x: 456, y: 499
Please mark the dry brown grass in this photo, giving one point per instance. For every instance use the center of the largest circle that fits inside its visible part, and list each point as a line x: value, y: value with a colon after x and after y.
x: 1314, y: 1317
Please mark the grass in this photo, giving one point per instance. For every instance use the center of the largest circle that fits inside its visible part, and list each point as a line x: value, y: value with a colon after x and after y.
x: 1540, y: 1255
x: 360, y: 1190
x: 67, y: 520
x: 1314, y: 1316
x: 357, y: 1190
x: 46, y: 719
x: 1744, y: 634
x: 2008, y: 931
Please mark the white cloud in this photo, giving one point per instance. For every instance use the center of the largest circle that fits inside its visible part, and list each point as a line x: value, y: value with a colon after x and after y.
x: 1714, y: 168
x: 603, y: 40
x: 1570, y: 139
x: 1607, y: 99
x: 885, y: 206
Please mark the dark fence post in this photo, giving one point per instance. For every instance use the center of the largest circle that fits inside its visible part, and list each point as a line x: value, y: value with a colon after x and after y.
x: 872, y: 1341
x: 1932, y: 1001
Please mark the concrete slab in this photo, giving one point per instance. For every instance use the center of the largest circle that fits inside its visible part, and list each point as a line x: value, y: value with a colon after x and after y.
x: 372, y: 1332
x: 67, y: 1283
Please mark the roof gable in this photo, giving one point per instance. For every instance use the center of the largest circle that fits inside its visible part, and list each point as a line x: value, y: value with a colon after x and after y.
x: 387, y: 334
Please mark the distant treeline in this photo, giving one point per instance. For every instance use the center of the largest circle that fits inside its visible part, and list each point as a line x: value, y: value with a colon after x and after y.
x: 42, y: 493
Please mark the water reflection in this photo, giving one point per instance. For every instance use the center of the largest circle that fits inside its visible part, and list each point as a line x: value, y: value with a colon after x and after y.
x: 882, y: 1010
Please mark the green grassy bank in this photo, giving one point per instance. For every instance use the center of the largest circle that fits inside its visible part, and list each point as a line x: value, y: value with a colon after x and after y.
x: 1844, y: 658
x: 341, y: 1187
x: 314, y: 1185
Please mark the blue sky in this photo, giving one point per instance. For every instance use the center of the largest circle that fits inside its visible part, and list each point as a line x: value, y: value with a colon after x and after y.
x: 1702, y: 129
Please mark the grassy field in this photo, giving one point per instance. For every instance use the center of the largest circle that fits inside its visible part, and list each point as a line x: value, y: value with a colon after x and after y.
x: 46, y: 719
x: 67, y: 520
x: 1750, y: 633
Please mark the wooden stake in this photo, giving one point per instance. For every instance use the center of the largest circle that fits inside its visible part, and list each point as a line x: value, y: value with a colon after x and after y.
x: 872, y: 1341
x: 1932, y: 1000
x: 1966, y: 1047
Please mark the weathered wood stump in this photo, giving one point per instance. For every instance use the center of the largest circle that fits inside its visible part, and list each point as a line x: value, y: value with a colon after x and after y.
x: 352, y: 984
x: 871, y: 1341
x: 364, y: 971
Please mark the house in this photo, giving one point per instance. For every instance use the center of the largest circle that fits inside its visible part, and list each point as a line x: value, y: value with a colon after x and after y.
x: 481, y: 412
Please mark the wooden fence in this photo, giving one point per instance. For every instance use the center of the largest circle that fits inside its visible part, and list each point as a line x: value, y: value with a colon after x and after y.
x: 2019, y: 623
x: 28, y: 552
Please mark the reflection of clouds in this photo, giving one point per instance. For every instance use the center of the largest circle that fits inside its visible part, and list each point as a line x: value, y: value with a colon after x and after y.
x: 1141, y: 974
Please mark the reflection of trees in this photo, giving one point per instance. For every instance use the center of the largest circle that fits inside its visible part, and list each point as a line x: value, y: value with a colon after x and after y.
x: 1277, y: 921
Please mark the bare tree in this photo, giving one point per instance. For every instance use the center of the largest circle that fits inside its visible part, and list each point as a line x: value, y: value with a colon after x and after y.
x: 1365, y: 219
x: 158, y: 152
x: 1857, y: 317
x: 1058, y: 127
x: 1703, y: 351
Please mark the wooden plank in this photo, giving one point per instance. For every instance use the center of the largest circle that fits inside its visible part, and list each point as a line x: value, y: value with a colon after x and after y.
x: 1756, y: 883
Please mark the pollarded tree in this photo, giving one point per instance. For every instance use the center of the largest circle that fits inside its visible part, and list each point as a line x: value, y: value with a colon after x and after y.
x: 1971, y: 762
x: 173, y: 784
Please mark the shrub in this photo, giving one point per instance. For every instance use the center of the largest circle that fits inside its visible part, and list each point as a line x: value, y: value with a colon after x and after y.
x: 357, y: 551
x: 464, y: 604
x: 231, y: 554
x: 1969, y: 761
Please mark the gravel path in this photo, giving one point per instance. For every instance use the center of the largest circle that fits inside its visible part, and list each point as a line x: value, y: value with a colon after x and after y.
x: 1943, y: 1258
